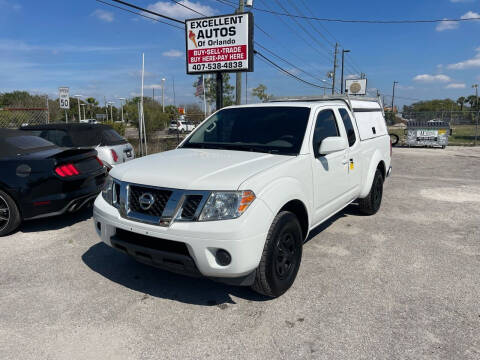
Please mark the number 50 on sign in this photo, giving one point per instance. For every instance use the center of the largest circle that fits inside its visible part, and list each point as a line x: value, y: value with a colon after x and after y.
x: 64, y: 97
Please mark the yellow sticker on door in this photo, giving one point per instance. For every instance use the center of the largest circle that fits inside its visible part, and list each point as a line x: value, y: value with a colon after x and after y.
x: 352, y: 165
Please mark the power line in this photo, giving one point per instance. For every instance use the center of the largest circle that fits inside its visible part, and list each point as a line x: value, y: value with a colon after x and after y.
x: 148, y: 11
x: 364, y: 21
x: 136, y: 13
x: 278, y: 67
x: 287, y: 62
x: 186, y: 7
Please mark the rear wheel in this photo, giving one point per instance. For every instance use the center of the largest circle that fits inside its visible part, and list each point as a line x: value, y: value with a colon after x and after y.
x: 9, y: 214
x: 371, y: 204
x: 281, y: 256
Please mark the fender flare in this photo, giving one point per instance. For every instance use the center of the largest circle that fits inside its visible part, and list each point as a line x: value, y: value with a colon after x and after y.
x: 376, y: 159
x: 283, y: 190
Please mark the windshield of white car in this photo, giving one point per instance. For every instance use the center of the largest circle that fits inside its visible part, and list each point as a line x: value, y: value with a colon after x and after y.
x: 270, y: 129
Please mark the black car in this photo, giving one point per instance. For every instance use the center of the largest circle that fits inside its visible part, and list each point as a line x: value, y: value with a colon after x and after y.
x: 112, y: 148
x: 39, y: 179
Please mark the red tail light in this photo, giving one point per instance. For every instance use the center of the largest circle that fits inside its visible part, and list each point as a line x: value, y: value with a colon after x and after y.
x: 66, y: 170
x: 99, y: 161
x: 114, y: 155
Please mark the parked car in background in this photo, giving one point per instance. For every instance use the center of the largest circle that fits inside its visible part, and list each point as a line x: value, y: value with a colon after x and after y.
x: 181, y: 126
x: 112, y: 148
x: 39, y: 179
x: 238, y: 197
x: 88, y: 121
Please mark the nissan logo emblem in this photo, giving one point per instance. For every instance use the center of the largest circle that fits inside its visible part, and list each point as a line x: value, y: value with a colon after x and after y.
x: 146, y: 201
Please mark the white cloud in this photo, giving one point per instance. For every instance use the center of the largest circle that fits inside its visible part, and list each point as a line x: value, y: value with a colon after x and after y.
x: 456, y: 86
x: 432, y: 78
x: 446, y: 25
x: 9, y: 5
x: 403, y: 87
x: 153, y: 86
x: 172, y: 53
x: 467, y: 64
x: 179, y: 12
x: 471, y: 15
x: 352, y: 76
x: 103, y: 15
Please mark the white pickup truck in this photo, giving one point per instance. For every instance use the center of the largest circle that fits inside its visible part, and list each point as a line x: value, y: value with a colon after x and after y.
x: 238, y: 197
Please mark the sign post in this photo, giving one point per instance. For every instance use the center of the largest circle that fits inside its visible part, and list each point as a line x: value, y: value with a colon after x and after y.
x: 219, y: 44
x: 64, y: 99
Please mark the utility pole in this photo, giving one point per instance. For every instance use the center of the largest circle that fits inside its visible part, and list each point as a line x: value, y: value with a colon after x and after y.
x: 106, y: 106
x: 48, y: 110
x: 219, y: 90
x: 238, y: 85
x: 163, y: 91
x: 153, y: 95
x: 393, y: 100
x: 334, y: 68
x: 79, y: 113
x: 343, y: 64
x: 478, y: 114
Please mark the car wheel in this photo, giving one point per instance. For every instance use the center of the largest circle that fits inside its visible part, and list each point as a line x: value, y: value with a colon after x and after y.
x: 281, y: 256
x: 9, y: 214
x: 371, y: 204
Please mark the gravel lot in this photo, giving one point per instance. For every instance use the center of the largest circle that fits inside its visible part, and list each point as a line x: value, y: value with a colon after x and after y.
x: 403, y: 284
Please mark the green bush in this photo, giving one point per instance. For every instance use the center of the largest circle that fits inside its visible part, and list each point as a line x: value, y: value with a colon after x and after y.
x: 119, y: 127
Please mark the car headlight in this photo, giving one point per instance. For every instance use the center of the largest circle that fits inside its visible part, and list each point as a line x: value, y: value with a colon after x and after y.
x: 222, y: 205
x: 107, y: 192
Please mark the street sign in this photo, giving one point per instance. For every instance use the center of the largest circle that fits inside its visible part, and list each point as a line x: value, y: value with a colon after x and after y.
x: 64, y: 97
x: 219, y: 44
x: 356, y: 86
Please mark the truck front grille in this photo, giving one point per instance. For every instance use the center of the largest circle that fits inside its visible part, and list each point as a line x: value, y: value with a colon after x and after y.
x: 160, y: 200
x: 190, y: 206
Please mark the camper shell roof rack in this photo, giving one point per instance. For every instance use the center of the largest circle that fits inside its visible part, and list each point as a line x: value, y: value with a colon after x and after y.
x: 345, y: 98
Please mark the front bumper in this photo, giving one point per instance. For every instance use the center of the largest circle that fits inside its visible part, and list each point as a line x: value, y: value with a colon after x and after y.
x: 243, y: 238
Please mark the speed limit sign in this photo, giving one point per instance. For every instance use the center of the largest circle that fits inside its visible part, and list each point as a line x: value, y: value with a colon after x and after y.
x: 64, y: 97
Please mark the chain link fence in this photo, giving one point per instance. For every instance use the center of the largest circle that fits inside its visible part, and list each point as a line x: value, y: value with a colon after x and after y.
x: 14, y: 118
x: 452, y: 117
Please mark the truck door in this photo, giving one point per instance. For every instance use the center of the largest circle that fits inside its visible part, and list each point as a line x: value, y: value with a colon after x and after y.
x: 330, y: 172
x: 353, y: 154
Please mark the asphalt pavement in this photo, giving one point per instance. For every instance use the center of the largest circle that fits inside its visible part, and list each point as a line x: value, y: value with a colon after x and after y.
x: 403, y: 284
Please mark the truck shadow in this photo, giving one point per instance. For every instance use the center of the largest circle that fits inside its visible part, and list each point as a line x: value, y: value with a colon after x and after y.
x: 124, y: 270
x: 351, y: 209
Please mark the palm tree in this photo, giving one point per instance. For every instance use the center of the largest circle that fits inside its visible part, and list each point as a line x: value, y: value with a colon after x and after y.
x: 461, y: 101
x: 472, y: 100
x: 91, y: 102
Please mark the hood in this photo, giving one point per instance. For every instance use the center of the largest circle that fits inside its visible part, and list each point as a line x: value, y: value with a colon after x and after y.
x: 196, y: 169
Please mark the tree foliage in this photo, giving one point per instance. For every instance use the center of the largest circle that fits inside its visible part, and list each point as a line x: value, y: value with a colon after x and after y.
x: 211, y: 89
x: 261, y: 93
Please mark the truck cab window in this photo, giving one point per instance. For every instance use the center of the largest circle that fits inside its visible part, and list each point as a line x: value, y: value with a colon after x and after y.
x: 347, y: 122
x: 325, y: 126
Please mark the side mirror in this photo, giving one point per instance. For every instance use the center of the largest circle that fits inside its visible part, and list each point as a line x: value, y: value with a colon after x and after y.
x: 332, y: 144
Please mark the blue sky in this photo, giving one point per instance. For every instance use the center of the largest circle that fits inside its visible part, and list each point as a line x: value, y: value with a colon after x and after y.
x: 96, y: 50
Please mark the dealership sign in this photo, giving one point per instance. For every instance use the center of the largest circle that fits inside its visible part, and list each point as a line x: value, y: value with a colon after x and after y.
x: 356, y: 86
x: 220, y: 44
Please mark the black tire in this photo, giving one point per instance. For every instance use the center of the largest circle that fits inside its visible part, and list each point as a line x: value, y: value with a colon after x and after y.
x: 9, y: 215
x: 281, y: 257
x: 395, y: 139
x: 371, y: 204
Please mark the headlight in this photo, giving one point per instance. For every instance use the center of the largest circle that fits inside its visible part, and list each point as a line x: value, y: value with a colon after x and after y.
x: 107, y: 192
x: 222, y: 205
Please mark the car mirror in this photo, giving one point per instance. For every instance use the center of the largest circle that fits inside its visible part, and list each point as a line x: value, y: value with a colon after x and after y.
x: 332, y: 144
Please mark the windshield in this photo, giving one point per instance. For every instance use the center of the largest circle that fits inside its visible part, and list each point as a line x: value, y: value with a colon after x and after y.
x: 271, y: 129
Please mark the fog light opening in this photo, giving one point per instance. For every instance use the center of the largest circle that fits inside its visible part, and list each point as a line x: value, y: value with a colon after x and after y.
x: 222, y: 257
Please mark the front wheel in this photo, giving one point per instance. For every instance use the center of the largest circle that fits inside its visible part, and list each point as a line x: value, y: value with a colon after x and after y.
x: 371, y: 204
x: 281, y: 256
x: 9, y: 214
